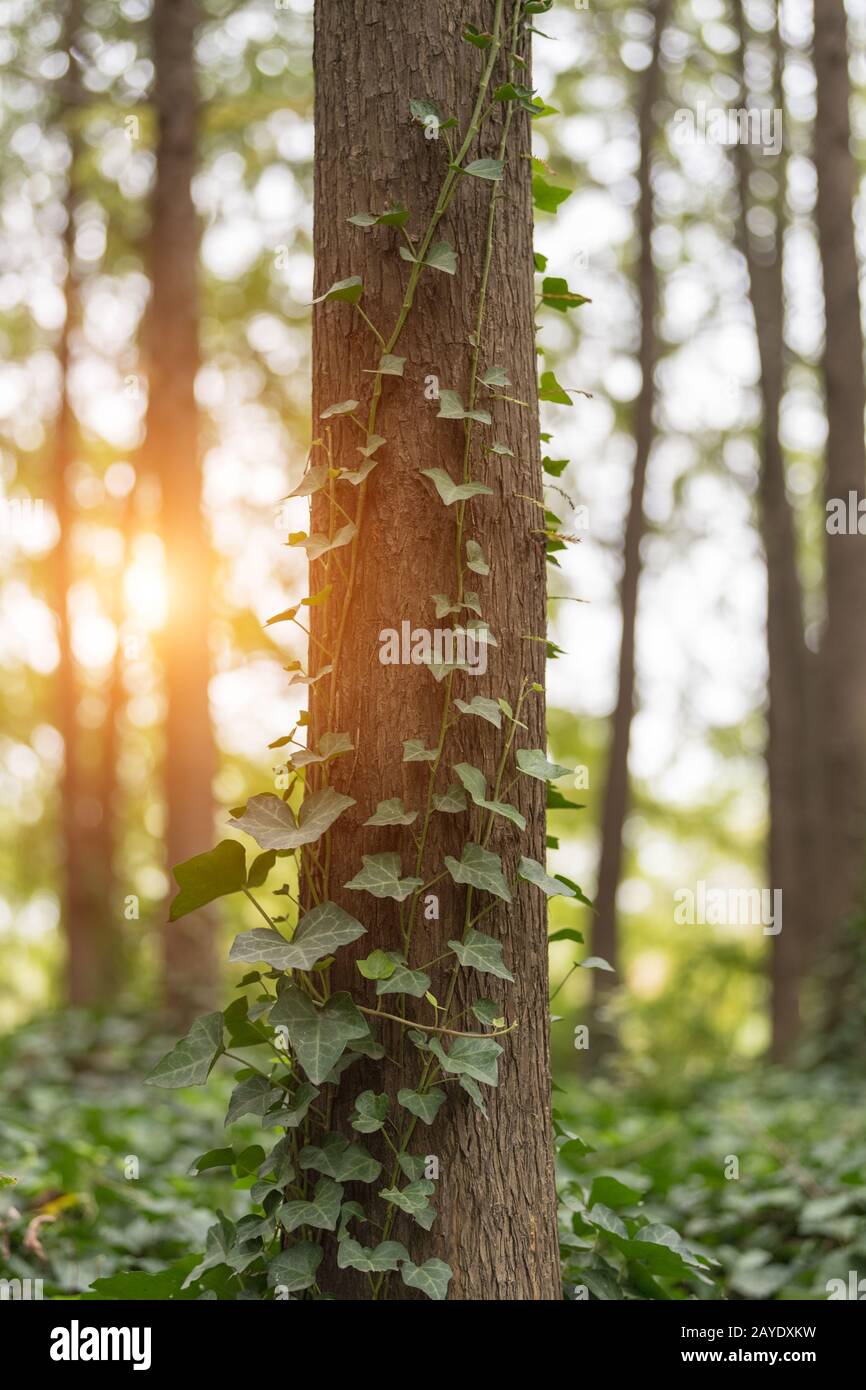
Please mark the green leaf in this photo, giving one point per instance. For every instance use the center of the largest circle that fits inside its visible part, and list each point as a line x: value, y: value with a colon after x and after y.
x: 533, y: 762
x: 318, y: 1035
x: 451, y: 801
x: 487, y: 1011
x: 394, y: 217
x: 442, y: 256
x: 555, y: 467
x: 389, y: 365
x: 481, y: 953
x: 349, y: 291
x: 190, y: 1061
x: 451, y: 407
x: 475, y: 558
x: 374, y: 442
x: 501, y: 449
x: 392, y: 812
x: 330, y: 746
x: 208, y: 876
x: 341, y: 408
x: 478, y: 867
x: 320, y: 932
x: 415, y: 752
x: 386, y: 1256
x: 214, y: 1158
x: 432, y: 1277
x: 475, y: 1057
x: 321, y: 1211
x: 596, y: 963
x: 298, y: 1105
x: 613, y: 1193
x: 533, y: 872
x: 425, y: 1106
x: 295, y: 1269
x: 272, y: 824
x: 555, y: 294
x: 473, y: 1091
x: 495, y: 376
x: 370, y: 1112
x: 135, y: 1285
x: 340, y: 1160
x: 548, y: 196
x: 379, y: 965
x: 404, y: 981
x: 484, y: 708
x: 490, y: 169
x: 252, y: 1096
x: 381, y: 877
x: 567, y: 934
x: 451, y: 492
x: 549, y: 389
x: 413, y: 1200
x: 477, y: 37
x: 474, y: 782
x: 260, y: 868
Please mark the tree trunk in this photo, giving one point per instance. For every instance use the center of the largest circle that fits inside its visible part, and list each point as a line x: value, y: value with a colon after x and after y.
x: 843, y: 654
x: 793, y: 762
x: 616, y: 792
x: 91, y: 943
x: 496, y: 1223
x: 172, y: 453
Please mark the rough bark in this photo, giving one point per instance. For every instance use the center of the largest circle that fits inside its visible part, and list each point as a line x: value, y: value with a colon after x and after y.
x: 616, y: 793
x: 172, y: 453
x: 793, y: 764
x: 843, y: 653
x: 496, y: 1197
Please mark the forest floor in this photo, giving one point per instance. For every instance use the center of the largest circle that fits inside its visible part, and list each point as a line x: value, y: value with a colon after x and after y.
x: 749, y: 1188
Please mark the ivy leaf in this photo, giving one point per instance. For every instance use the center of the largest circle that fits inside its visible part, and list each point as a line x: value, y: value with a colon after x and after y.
x: 484, y: 708
x: 481, y: 869
x: 207, y: 877
x: 481, y: 953
x: 374, y: 442
x: 340, y: 1160
x: 567, y: 934
x: 555, y: 467
x: 340, y: 408
x: 451, y: 407
x: 425, y: 1106
x: 392, y: 812
x: 490, y: 169
x: 474, y: 1057
x: 488, y: 1012
x: 379, y: 965
x: 442, y: 256
x: 349, y: 291
x: 451, y: 492
x: 533, y: 872
x: 381, y: 877
x: 314, y: 479
x: 404, y: 981
x: 555, y: 294
x: 596, y: 963
x: 320, y: 933
x: 533, y: 762
x: 223, y: 1247
x: 394, y: 217
x: 479, y: 38
x: 474, y: 782
x: 252, y: 1096
x: 370, y: 1112
x: 495, y: 376
x: 295, y: 1269
x: 321, y: 1211
x: 272, y: 825
x: 190, y: 1061
x: 422, y: 109
x: 299, y: 1103
x: 451, y: 801
x: 475, y: 558
x: 415, y: 752
x: 549, y: 389
x: 319, y: 544
x: 330, y: 746
x: 548, y: 196
x: 318, y: 1035
x: 432, y: 1277
x: 389, y: 365
x: 413, y: 1200
x: 386, y: 1256
x: 473, y: 1090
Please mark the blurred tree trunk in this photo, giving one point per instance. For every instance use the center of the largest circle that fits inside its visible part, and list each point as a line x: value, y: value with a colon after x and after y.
x: 793, y: 759
x: 616, y: 792
x: 172, y: 453
x: 843, y: 653
x: 496, y: 1199
x: 91, y: 943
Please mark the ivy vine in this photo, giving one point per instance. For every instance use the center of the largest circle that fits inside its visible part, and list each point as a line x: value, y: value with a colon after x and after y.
x: 309, y: 1034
